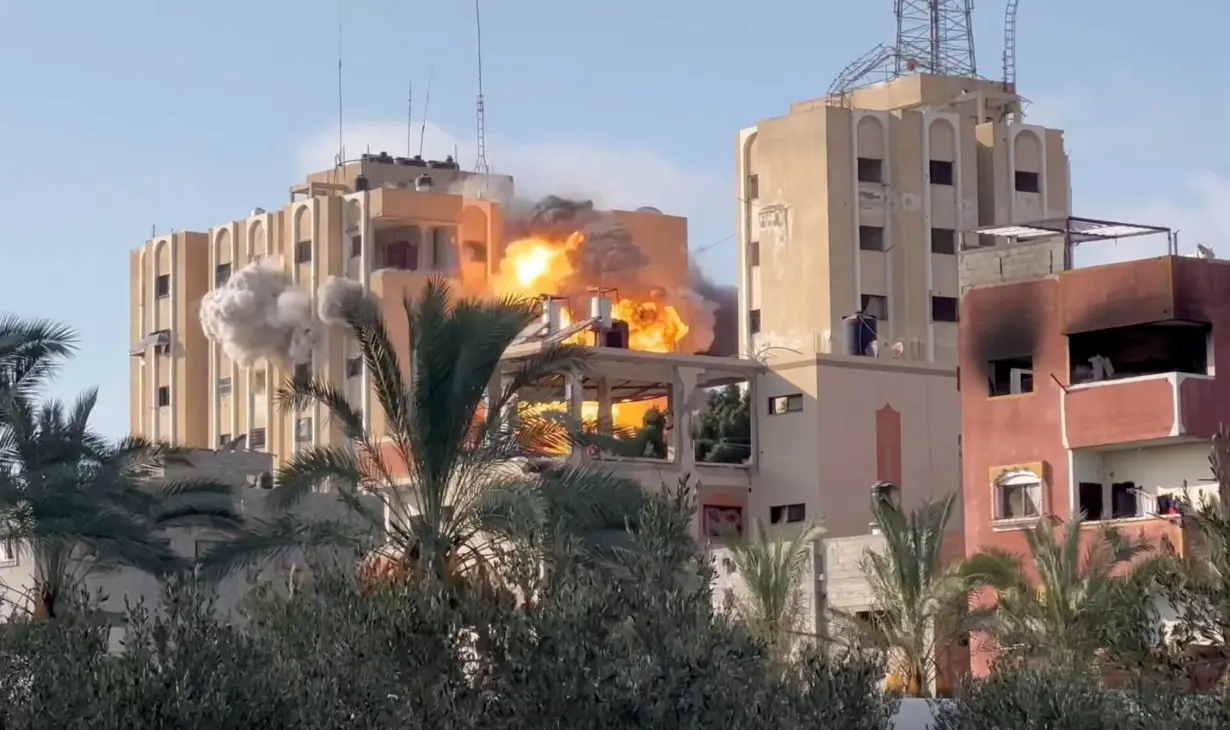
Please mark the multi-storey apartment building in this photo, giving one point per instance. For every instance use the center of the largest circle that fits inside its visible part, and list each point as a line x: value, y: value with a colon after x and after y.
x: 1087, y: 394
x: 858, y: 203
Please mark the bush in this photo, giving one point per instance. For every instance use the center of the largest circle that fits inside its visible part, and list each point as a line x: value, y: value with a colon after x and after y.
x: 627, y: 643
x: 1061, y: 700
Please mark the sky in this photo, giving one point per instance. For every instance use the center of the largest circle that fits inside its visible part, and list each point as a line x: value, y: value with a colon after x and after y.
x: 116, y: 118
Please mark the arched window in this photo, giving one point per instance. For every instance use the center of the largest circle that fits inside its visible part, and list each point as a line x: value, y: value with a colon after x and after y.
x: 1018, y: 495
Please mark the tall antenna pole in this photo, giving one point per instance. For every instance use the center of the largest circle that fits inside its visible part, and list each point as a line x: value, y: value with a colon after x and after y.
x: 431, y: 75
x: 341, y: 145
x: 410, y: 120
x: 480, y: 164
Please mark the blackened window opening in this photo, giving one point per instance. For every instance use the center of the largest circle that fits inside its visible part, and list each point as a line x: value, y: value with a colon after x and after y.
x: 1090, y: 501
x: 1146, y: 349
x: 1011, y: 376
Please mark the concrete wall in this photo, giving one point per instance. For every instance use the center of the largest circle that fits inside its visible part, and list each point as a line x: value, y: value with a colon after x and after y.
x: 862, y: 420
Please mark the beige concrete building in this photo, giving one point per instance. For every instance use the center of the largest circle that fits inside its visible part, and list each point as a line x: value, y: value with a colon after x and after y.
x: 386, y: 223
x: 249, y: 473
x: 859, y: 203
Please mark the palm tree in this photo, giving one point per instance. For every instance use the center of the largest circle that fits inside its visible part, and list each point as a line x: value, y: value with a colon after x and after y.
x: 78, y: 505
x: 30, y: 352
x: 1069, y: 613
x: 449, y: 471
x: 774, y: 572
x: 917, y: 595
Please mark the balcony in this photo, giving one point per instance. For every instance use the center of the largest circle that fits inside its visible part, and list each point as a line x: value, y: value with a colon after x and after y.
x: 392, y: 206
x: 1138, y: 383
x: 643, y: 407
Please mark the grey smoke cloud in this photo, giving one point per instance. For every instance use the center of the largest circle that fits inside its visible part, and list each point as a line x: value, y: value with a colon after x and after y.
x: 259, y: 314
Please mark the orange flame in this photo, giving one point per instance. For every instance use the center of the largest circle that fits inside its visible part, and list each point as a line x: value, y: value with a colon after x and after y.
x: 538, y: 265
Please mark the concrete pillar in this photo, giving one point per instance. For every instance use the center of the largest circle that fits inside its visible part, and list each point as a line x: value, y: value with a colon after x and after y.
x: 605, y: 422
x: 682, y: 385
x: 574, y: 395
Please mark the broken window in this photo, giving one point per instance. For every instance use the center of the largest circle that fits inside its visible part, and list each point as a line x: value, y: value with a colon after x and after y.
x: 785, y: 404
x: 1018, y: 495
x: 1011, y: 376
x: 945, y: 309
x: 943, y: 240
x: 876, y: 305
x: 303, y: 252
x: 870, y: 170
x: 941, y: 172
x: 1090, y: 501
x: 1146, y: 349
x: 402, y: 255
x: 1123, y: 501
x: 1028, y: 182
x: 780, y: 513
x: 721, y: 521
x: 871, y: 238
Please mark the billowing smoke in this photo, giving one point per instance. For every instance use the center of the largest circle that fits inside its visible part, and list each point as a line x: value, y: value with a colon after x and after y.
x: 259, y: 314
x: 610, y: 257
x: 721, y: 301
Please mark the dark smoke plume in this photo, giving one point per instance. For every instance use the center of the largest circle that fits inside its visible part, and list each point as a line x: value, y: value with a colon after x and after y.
x: 609, y: 254
x: 725, y: 302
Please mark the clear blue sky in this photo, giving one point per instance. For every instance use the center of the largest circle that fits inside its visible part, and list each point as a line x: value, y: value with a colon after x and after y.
x: 118, y: 116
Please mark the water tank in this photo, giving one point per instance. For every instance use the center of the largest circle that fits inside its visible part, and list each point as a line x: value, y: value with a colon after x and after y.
x: 361, y: 184
x: 616, y: 336
x: 859, y: 335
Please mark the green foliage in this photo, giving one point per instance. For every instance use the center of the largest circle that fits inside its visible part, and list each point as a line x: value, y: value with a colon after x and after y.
x: 1066, y: 700
x: 917, y: 596
x: 630, y: 644
x: 1070, y: 613
x: 723, y: 432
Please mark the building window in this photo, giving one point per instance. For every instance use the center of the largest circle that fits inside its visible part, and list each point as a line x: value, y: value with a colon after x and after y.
x: 787, y: 513
x: 257, y: 439
x: 354, y: 367
x: 1012, y: 376
x: 942, y: 172
x: 1027, y: 182
x: 356, y: 246
x: 303, y: 430
x: 402, y: 255
x: 8, y: 550
x: 303, y: 372
x: 753, y: 187
x: 943, y: 240
x: 222, y: 273
x: 477, y: 251
x: 753, y: 321
x: 871, y: 238
x: 224, y: 386
x: 164, y: 396
x: 720, y: 522
x: 876, y: 305
x: 303, y: 252
x: 753, y: 253
x: 1123, y: 501
x: 1018, y: 496
x: 870, y: 170
x: 780, y: 404
x: 162, y: 286
x: 945, y: 309
x: 223, y: 439
x: 259, y: 382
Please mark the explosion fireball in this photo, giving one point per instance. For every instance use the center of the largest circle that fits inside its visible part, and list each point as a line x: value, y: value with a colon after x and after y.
x: 539, y: 264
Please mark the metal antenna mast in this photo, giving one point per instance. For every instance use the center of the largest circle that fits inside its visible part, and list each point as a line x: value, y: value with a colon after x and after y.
x: 341, y: 144
x: 480, y: 164
x: 933, y: 37
x: 936, y: 36
x: 1010, y: 46
x: 410, y: 120
x: 431, y: 75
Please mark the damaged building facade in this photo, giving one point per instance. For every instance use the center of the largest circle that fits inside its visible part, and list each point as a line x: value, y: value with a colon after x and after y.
x: 1087, y: 394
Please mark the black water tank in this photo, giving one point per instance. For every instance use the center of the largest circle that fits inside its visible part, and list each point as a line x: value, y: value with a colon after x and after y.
x: 859, y: 335
x: 360, y: 184
x: 616, y: 336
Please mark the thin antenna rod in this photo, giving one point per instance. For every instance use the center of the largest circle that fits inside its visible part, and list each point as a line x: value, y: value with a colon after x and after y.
x: 480, y: 164
x: 431, y: 75
x: 341, y: 145
x: 410, y: 120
